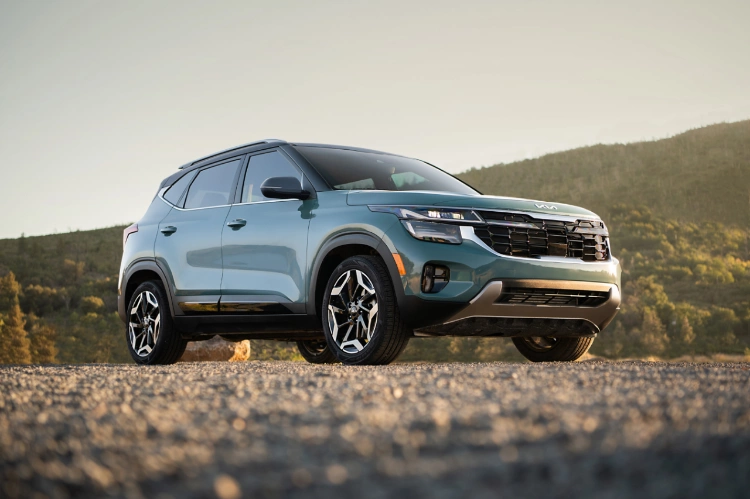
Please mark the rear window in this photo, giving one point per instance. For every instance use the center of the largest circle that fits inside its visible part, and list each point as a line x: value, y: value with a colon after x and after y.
x: 212, y: 186
x: 344, y: 169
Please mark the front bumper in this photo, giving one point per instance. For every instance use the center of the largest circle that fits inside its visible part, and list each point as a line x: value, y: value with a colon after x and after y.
x: 477, y: 275
x: 486, y: 315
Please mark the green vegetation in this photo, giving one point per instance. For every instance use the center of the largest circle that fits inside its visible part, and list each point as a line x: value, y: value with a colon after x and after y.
x: 678, y: 209
x: 686, y: 287
x: 68, y: 295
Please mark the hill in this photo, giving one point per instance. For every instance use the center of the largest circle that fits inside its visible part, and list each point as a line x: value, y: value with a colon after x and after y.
x: 702, y: 175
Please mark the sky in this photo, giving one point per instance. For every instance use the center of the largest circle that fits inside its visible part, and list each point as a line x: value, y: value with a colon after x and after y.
x: 100, y: 100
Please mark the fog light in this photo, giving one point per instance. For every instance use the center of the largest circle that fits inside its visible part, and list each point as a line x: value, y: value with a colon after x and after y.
x: 434, y: 278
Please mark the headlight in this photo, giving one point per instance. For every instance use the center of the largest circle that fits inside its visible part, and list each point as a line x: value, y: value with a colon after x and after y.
x: 434, y: 232
x: 428, y: 213
x: 420, y: 221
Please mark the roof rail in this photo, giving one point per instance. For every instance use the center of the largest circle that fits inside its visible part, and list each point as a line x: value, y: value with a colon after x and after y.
x: 257, y: 143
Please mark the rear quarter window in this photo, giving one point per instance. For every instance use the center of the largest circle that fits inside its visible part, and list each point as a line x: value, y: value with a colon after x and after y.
x: 175, y: 192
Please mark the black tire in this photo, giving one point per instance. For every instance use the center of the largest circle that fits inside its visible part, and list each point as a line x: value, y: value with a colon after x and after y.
x: 547, y: 349
x: 389, y: 335
x: 169, y: 345
x: 316, y: 352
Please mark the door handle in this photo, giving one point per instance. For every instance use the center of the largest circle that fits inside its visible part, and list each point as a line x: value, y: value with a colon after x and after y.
x: 237, y: 224
x: 169, y: 229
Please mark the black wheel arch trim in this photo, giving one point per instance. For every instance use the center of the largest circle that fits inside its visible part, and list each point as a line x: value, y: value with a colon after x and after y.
x: 347, y: 239
x: 137, y: 266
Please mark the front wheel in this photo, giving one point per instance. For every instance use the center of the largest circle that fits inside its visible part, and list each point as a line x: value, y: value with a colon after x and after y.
x: 150, y: 332
x: 549, y: 349
x: 361, y: 318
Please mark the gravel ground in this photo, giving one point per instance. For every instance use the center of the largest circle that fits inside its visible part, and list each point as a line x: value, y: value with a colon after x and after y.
x: 269, y: 429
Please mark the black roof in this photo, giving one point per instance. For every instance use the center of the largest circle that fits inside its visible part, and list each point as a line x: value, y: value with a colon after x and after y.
x: 348, y: 148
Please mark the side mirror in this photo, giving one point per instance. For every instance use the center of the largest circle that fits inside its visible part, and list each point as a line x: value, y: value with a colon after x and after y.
x: 284, y: 188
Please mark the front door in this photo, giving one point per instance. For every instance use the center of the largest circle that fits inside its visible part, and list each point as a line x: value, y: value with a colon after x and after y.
x: 188, y: 244
x: 265, y: 244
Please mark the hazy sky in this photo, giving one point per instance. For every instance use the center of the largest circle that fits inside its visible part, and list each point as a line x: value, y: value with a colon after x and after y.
x: 100, y: 100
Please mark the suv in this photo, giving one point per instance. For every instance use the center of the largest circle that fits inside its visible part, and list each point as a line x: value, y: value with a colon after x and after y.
x: 350, y: 252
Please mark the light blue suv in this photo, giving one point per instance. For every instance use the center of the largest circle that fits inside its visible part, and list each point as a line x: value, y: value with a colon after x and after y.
x: 351, y: 252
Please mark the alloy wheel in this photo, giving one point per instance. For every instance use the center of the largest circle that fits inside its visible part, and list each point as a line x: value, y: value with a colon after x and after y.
x: 352, y: 311
x: 145, y: 323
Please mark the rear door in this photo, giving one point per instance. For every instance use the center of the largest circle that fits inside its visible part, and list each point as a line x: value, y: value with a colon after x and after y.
x: 265, y: 243
x: 188, y: 244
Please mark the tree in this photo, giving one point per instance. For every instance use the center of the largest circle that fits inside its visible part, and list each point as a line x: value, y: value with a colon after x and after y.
x: 645, y: 293
x: 687, y: 335
x: 91, y: 304
x: 72, y: 271
x: 14, y: 343
x: 43, y: 300
x: 653, y: 334
x: 9, y: 291
x: 42, y: 337
x: 719, y: 331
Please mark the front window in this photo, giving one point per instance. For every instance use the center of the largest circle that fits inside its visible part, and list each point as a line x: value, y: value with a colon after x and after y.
x: 345, y: 169
x: 262, y: 167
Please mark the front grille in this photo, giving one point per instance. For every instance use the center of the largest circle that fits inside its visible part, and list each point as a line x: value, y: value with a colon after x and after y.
x: 521, y: 235
x: 556, y: 297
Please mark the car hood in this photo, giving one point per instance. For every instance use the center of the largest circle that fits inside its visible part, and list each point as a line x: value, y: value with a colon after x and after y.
x: 480, y: 202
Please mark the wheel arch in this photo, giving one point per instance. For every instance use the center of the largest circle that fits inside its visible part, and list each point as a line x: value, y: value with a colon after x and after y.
x: 138, y: 273
x: 336, y: 250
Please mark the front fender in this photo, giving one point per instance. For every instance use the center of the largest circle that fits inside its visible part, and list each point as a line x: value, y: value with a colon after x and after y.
x: 360, y: 238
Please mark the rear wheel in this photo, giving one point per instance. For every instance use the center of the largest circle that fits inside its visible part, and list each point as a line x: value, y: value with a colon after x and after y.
x: 316, y: 352
x: 361, y: 318
x: 150, y: 332
x: 550, y: 349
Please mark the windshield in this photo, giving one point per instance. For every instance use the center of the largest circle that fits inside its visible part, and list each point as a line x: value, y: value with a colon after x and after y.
x: 355, y: 170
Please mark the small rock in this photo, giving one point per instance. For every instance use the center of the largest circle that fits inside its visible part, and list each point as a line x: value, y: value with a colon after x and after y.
x: 216, y: 349
x: 227, y: 487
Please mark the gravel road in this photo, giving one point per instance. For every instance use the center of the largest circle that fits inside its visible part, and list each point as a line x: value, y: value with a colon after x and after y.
x: 270, y: 429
